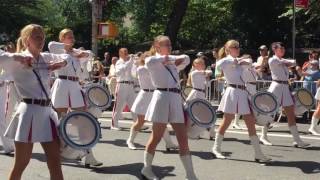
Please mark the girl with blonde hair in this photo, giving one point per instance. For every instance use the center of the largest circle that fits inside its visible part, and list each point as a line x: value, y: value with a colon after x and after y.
x: 34, y: 120
x: 235, y: 100
x: 166, y: 105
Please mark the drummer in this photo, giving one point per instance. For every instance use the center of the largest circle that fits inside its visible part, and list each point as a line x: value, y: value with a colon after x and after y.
x: 166, y: 105
x: 197, y: 79
x: 314, y: 128
x: 141, y: 104
x: 35, y: 120
x: 280, y: 88
x: 66, y: 90
x: 235, y: 100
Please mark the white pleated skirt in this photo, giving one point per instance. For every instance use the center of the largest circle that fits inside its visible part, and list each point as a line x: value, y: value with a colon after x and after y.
x: 141, y: 102
x: 317, y: 96
x: 235, y: 101
x: 33, y: 123
x: 283, y: 94
x: 67, y: 94
x: 165, y: 107
x: 195, y: 94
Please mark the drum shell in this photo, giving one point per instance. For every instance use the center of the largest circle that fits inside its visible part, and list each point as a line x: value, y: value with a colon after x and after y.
x: 299, y: 108
x: 262, y: 119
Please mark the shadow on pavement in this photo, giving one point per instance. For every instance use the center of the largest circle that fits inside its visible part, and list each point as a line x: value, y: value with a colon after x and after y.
x: 208, y: 155
x: 134, y: 170
x: 307, y: 167
x: 237, y: 140
x: 121, y: 143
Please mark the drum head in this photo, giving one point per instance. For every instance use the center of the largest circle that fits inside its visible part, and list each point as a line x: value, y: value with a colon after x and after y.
x: 80, y: 130
x: 305, y: 97
x: 201, y: 113
x: 265, y: 103
x: 186, y: 91
x: 98, y: 96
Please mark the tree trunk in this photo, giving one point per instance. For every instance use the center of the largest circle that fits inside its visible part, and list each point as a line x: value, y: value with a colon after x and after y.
x: 175, y: 20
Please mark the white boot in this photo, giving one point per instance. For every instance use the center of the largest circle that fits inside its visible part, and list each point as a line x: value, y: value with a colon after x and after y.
x: 169, y: 143
x: 313, y: 127
x: 236, y: 124
x: 212, y: 133
x: 258, y: 155
x: 264, y: 137
x: 216, y: 149
x: 90, y: 160
x: 130, y: 140
x: 146, y: 171
x: 297, y: 140
x: 188, y: 166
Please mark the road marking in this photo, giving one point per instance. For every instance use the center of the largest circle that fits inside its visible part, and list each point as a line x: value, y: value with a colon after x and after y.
x: 228, y: 131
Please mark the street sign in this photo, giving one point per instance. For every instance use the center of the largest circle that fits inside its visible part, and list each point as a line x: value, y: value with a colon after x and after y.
x: 302, y: 4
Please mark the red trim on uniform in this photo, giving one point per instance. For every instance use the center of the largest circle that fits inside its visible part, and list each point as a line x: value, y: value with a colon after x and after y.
x: 7, y: 101
x: 281, y: 99
x: 84, y: 99
x: 185, y: 117
x: 237, y: 107
x: 250, y: 107
x: 115, y: 105
x: 54, y: 132
x: 69, y: 98
x: 30, y: 132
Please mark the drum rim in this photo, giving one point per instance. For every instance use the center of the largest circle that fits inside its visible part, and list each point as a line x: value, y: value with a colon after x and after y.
x: 193, y: 118
x: 67, y: 140
x: 306, y: 90
x: 105, y: 106
x: 255, y: 107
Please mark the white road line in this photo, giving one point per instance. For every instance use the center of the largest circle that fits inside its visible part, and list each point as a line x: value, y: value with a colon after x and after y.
x: 228, y: 131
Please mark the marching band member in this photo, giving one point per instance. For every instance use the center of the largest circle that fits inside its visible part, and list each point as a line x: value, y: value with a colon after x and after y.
x: 280, y: 88
x: 235, y: 100
x: 66, y: 90
x: 34, y: 120
x: 166, y: 105
x: 125, y: 94
x: 197, y: 79
x: 141, y: 104
x: 316, y: 115
x: 250, y: 76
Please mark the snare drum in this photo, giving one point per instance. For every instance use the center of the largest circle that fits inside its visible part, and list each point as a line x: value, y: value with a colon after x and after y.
x: 200, y: 115
x: 98, y: 99
x: 303, y: 100
x: 265, y: 107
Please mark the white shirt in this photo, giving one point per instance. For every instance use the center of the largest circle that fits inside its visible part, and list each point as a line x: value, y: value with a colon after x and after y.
x: 25, y: 80
x: 279, y: 71
x: 74, y: 68
x: 198, y: 78
x: 144, y: 78
x: 160, y: 76
x: 249, y: 74
x: 231, y: 69
x: 124, y: 70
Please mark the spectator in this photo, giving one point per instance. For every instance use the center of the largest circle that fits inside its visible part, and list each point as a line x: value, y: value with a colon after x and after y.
x: 106, y: 63
x: 97, y: 70
x: 262, y: 65
x: 313, y: 55
x: 311, y: 74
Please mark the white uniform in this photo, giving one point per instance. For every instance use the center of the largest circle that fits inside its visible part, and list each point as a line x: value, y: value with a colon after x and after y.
x: 198, y: 81
x: 234, y: 100
x: 249, y: 76
x: 165, y: 106
x: 7, y: 103
x: 280, y: 72
x: 32, y: 123
x: 66, y: 93
x: 125, y: 94
x: 143, y: 99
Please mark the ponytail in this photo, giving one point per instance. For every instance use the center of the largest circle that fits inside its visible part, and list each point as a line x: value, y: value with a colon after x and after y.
x: 20, y: 46
x: 222, y: 53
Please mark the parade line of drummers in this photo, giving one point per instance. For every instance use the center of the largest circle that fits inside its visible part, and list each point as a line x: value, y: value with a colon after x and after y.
x: 31, y: 105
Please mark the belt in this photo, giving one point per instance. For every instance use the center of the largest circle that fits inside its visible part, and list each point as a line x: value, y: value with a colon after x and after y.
x: 40, y: 102
x: 253, y: 83
x: 126, y: 82
x: 175, y: 90
x: 148, y: 90
x: 201, y: 90
x: 281, y: 82
x: 242, y: 87
x: 71, y: 78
